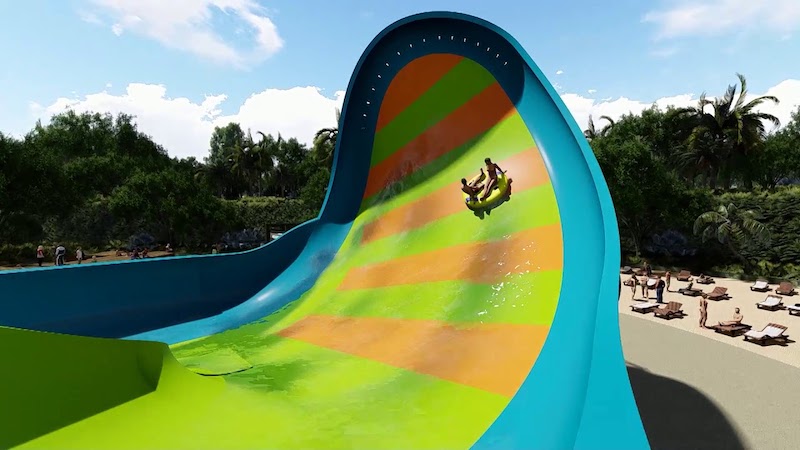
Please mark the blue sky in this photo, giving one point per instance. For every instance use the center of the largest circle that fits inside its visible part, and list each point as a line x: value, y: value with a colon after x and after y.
x: 160, y: 60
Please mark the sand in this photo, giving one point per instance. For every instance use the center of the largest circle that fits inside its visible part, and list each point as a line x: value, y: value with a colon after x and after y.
x: 695, y: 392
x: 741, y: 297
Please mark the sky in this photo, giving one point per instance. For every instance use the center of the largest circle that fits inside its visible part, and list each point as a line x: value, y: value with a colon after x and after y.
x: 183, y: 67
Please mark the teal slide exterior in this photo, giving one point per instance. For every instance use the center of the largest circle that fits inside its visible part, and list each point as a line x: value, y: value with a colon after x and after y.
x: 580, y: 372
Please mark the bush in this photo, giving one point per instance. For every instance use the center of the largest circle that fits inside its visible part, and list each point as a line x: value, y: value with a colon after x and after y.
x: 261, y: 212
x: 780, y: 211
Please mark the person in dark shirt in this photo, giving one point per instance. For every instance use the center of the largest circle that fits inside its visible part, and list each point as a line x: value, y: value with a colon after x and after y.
x: 660, y: 285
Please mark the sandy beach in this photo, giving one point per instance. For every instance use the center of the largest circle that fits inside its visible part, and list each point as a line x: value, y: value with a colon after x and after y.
x: 740, y: 296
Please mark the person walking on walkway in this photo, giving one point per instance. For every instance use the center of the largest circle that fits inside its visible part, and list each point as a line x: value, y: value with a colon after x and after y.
x: 61, y: 252
x: 40, y: 255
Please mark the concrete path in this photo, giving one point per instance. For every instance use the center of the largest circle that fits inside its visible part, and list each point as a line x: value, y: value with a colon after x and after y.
x: 699, y: 393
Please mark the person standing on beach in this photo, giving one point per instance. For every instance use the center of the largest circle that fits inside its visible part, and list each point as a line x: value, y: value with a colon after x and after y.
x: 703, y: 312
x: 660, y: 290
x: 668, y: 277
x: 634, y: 281
x: 645, y: 287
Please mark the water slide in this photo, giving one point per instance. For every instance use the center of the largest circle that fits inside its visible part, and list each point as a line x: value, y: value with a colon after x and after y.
x: 397, y: 318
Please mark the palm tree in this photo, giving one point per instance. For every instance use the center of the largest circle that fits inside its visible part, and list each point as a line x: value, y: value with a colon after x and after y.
x: 592, y: 133
x: 325, y: 142
x: 732, y: 128
x: 263, y: 162
x: 732, y: 227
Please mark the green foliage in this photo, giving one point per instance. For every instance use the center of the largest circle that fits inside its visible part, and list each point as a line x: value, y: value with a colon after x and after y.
x: 780, y: 213
x: 313, y: 193
x: 644, y: 192
x: 261, y: 212
x: 94, y: 179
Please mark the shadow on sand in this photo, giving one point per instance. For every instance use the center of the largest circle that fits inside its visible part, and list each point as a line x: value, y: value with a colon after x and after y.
x: 678, y: 416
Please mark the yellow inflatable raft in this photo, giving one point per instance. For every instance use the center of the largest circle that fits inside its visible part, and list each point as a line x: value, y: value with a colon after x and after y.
x: 497, y: 194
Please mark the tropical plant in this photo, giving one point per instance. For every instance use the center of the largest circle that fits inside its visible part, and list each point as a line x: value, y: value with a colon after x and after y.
x: 592, y: 132
x: 325, y: 142
x: 732, y: 227
x: 728, y: 133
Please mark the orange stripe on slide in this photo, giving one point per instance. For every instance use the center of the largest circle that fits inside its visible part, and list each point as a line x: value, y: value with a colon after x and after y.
x: 412, y: 81
x: 531, y: 250
x: 492, y: 357
x: 526, y: 169
x: 476, y: 116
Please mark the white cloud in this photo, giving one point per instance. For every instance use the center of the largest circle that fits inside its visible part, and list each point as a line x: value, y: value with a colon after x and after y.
x: 592, y: 91
x: 90, y: 18
x: 788, y: 92
x: 714, y: 17
x: 184, y: 126
x: 187, y: 25
x: 664, y: 52
x: 559, y: 72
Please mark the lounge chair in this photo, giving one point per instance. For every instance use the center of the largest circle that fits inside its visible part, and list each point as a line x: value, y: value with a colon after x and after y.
x: 626, y: 270
x: 771, y: 303
x: 794, y: 310
x: 694, y: 292
x: 773, y: 332
x: 760, y: 286
x: 684, y: 275
x: 785, y: 288
x: 651, y: 283
x: 672, y: 310
x: 644, y: 308
x: 719, y: 293
x: 628, y: 282
x: 732, y: 330
x: 705, y: 280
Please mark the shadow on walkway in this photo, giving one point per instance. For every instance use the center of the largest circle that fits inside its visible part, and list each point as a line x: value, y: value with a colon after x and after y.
x: 677, y: 416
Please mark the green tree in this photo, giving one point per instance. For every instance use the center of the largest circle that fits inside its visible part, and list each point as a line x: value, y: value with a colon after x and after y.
x: 591, y: 132
x: 325, y: 142
x: 222, y: 143
x: 733, y: 227
x: 170, y: 202
x: 644, y: 192
x: 30, y: 183
x: 728, y: 133
x: 780, y: 157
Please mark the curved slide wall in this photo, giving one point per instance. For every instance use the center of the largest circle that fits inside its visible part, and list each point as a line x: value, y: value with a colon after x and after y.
x: 417, y: 324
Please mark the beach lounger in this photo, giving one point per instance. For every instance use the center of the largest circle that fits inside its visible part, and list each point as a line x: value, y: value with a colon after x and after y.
x: 704, y: 280
x: 771, y: 303
x: 760, y: 286
x: 684, y: 275
x: 794, y: 310
x: 732, y: 330
x: 785, y: 288
x: 773, y: 332
x: 644, y: 308
x: 651, y: 283
x: 628, y: 282
x: 690, y: 292
x: 626, y: 270
x: 719, y: 293
x: 671, y: 311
